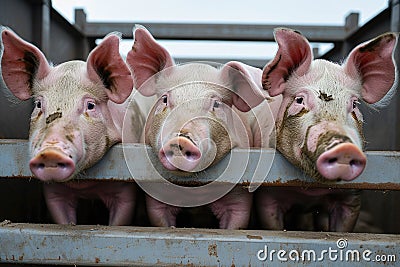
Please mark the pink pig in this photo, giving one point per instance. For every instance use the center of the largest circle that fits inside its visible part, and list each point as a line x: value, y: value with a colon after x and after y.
x: 319, y: 124
x: 194, y: 122
x: 78, y: 116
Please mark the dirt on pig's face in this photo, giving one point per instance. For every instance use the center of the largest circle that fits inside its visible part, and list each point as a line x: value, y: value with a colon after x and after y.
x: 318, y: 112
x: 197, y: 112
x: 71, y: 115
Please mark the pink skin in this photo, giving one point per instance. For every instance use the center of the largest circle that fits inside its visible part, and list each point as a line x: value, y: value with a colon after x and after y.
x: 52, y: 163
x: 118, y: 198
x: 191, y: 124
x: 319, y: 115
x: 183, y: 141
x: 232, y: 210
x: 73, y: 123
x: 54, y: 158
x: 341, y: 160
x: 345, y: 161
x: 273, y: 204
x: 179, y: 153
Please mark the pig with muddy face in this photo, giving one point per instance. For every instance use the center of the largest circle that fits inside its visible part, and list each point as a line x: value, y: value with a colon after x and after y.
x: 196, y: 121
x: 319, y: 125
x: 78, y: 116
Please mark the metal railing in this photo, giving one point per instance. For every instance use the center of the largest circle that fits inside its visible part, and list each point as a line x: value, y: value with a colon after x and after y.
x: 149, y: 246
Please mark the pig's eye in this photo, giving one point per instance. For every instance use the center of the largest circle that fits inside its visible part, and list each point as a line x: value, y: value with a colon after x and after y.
x: 90, y: 105
x: 38, y: 104
x: 299, y: 100
x: 164, y: 99
x: 355, y: 104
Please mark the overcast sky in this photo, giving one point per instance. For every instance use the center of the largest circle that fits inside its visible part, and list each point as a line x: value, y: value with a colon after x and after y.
x: 308, y: 12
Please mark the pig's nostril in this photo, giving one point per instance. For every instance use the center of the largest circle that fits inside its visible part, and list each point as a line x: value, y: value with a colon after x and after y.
x: 61, y: 165
x: 332, y: 160
x: 192, y: 155
x: 40, y: 166
x: 169, y: 153
x: 354, y: 163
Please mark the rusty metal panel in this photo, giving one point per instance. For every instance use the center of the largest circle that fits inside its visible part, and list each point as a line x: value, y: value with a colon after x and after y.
x: 144, y: 246
x: 248, y: 165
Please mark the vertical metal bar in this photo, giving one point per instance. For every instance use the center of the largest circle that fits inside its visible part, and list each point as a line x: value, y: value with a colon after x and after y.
x: 351, y: 22
x: 351, y: 25
x: 394, y: 6
x: 80, y: 24
x: 395, y: 27
x: 41, y: 25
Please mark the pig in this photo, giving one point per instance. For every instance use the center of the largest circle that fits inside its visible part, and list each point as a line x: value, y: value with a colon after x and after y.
x: 78, y: 113
x: 193, y: 124
x: 319, y: 124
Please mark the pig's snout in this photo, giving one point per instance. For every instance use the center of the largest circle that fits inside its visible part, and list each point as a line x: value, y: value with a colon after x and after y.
x: 180, y: 153
x: 52, y: 165
x: 344, y: 161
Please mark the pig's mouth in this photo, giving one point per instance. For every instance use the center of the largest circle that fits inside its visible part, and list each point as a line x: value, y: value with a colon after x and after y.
x: 52, y: 164
x: 336, y: 158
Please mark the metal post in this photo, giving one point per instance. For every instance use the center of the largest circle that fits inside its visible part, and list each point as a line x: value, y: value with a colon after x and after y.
x: 41, y: 25
x: 80, y: 24
x: 351, y: 25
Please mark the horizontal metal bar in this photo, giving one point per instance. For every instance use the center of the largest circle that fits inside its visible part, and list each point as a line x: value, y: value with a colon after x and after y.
x: 241, y: 166
x: 258, y: 63
x: 232, y: 32
x: 146, y: 246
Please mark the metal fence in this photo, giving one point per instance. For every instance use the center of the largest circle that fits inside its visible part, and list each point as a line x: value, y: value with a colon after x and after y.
x: 148, y: 246
x: 26, y: 237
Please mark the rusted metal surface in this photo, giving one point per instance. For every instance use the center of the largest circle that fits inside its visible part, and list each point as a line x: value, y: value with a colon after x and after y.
x: 382, y: 171
x: 144, y: 246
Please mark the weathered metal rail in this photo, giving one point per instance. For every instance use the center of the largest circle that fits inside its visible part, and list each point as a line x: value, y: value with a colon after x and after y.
x: 148, y: 246
x: 49, y: 244
x: 225, y: 32
x: 241, y: 166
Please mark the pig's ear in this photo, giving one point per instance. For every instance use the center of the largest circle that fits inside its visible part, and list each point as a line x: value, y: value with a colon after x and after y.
x: 147, y: 58
x: 372, y: 62
x: 294, y: 55
x: 22, y: 63
x: 105, y: 65
x: 245, y: 81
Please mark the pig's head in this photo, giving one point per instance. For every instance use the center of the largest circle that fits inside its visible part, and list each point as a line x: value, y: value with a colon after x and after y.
x: 319, y: 124
x: 71, y: 123
x: 193, y: 124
